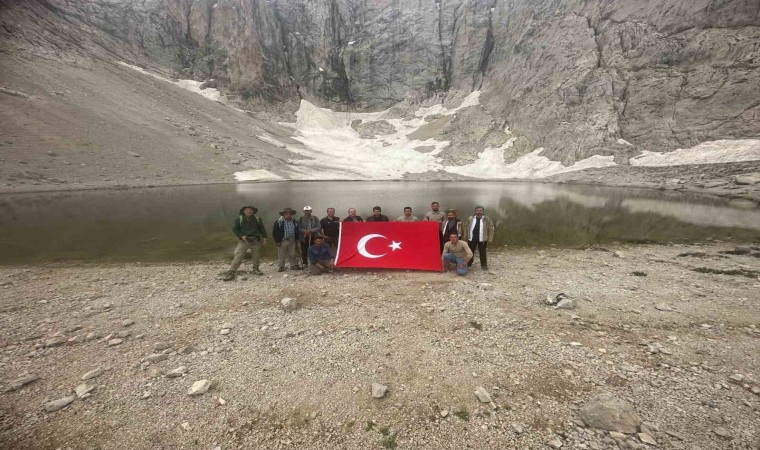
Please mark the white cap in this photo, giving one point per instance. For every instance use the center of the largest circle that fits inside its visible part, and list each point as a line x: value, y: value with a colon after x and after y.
x: 307, y: 208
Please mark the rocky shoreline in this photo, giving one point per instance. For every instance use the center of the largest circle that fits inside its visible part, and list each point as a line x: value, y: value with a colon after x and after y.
x: 164, y: 356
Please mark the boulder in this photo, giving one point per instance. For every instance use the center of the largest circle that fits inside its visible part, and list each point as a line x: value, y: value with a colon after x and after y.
x: 607, y: 412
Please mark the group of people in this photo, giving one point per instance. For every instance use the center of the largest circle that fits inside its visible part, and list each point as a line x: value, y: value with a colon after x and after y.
x: 313, y: 241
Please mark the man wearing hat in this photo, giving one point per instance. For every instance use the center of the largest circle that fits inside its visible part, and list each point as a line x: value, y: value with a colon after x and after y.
x: 285, y: 233
x: 251, y: 235
x: 310, y: 228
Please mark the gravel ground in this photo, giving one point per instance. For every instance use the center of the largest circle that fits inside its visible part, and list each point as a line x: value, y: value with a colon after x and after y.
x: 668, y: 329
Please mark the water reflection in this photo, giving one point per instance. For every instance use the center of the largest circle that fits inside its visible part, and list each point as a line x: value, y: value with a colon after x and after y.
x: 193, y: 222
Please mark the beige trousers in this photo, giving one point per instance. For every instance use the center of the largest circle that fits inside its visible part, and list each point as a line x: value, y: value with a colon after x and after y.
x: 287, y: 249
x: 240, y: 250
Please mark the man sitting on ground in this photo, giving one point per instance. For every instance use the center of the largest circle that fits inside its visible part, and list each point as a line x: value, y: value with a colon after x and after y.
x: 320, y: 257
x: 456, y: 252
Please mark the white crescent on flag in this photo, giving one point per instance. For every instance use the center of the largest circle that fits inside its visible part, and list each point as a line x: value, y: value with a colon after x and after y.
x: 361, y: 246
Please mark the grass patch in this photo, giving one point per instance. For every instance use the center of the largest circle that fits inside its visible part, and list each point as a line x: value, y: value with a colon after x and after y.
x: 369, y: 425
x: 477, y: 325
x: 350, y: 424
x: 637, y: 273
x: 385, y: 431
x: 462, y: 414
x: 389, y: 442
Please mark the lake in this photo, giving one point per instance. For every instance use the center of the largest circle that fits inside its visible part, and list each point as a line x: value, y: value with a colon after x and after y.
x: 187, y: 223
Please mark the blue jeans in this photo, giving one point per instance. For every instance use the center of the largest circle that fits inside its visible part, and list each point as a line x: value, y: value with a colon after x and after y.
x: 451, y: 258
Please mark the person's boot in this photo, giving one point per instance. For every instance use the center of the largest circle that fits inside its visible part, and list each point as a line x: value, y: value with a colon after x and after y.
x: 229, y: 276
x: 256, y: 271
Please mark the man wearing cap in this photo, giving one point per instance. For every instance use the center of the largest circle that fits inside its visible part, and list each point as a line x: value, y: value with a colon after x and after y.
x: 352, y: 217
x: 434, y: 215
x: 479, y: 231
x: 285, y: 233
x: 310, y: 228
x: 377, y: 215
x: 251, y: 235
x: 407, y: 217
x: 450, y: 225
x: 330, y: 228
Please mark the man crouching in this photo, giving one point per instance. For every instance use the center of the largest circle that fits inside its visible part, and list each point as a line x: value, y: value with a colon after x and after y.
x: 456, y: 252
x: 321, y: 257
x: 251, y: 234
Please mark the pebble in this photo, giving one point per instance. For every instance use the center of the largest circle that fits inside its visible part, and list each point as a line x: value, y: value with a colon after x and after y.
x: 566, y: 303
x: 56, y: 341
x: 93, y: 374
x: 123, y: 334
x: 114, y: 342
x: 156, y: 357
x: 555, y: 443
x: 722, y: 432
x: 482, y: 394
x: 662, y: 307
x: 176, y: 373
x: 159, y: 346
x: 647, y: 439
x: 736, y: 378
x: 445, y: 413
x: 379, y: 390
x: 289, y: 304
x: 607, y: 412
x: 127, y: 323
x: 84, y: 389
x: 224, y: 331
x: 61, y: 403
x: 200, y: 387
x: 519, y: 429
x: 618, y: 435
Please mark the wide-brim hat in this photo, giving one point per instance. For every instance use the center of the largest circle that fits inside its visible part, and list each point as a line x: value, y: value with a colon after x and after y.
x: 451, y: 210
x: 290, y: 210
x: 255, y: 209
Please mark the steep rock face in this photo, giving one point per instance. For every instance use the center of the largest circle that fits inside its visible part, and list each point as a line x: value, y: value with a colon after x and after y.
x: 573, y: 76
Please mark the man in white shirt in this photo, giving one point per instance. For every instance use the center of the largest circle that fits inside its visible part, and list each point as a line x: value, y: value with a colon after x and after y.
x: 479, y: 231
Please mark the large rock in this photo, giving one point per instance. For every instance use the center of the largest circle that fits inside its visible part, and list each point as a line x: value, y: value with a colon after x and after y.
x: 200, y: 387
x: 61, y: 403
x: 748, y: 178
x: 607, y: 412
x: 289, y: 304
x: 20, y: 382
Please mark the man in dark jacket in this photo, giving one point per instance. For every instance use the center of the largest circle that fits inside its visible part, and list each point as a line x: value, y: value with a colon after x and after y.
x: 352, y: 217
x: 320, y: 257
x: 285, y: 233
x: 377, y: 215
x: 330, y: 228
x: 251, y: 235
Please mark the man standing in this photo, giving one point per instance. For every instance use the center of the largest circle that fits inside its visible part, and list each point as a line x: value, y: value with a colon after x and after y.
x: 352, y: 217
x: 251, y: 235
x: 407, y: 217
x: 434, y: 215
x: 456, y: 252
x: 285, y: 233
x: 479, y: 230
x: 377, y: 215
x: 450, y: 225
x: 320, y: 257
x: 330, y: 228
x: 310, y: 228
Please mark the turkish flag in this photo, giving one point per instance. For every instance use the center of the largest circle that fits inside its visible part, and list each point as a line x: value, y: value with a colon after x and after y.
x: 389, y: 245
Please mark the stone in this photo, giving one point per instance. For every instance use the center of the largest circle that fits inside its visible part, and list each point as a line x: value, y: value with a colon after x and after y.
x: 747, y: 178
x: 289, y: 304
x: 662, y: 307
x: 518, y: 427
x: 482, y: 394
x: 566, y: 303
x: 378, y: 390
x: 20, y: 382
x: 618, y: 435
x: 156, y: 357
x: 93, y: 374
x: 84, y: 389
x: 176, y: 373
x: 647, y: 439
x: 186, y: 350
x: 224, y: 331
x: 736, y: 378
x: 56, y: 341
x: 127, y: 322
x: 91, y: 336
x: 722, y: 432
x: 61, y: 403
x: 675, y: 435
x: 114, y: 342
x: 610, y: 413
x: 123, y: 334
x: 755, y: 390
x: 133, y: 154
x: 159, y: 346
x: 200, y: 387
x: 444, y: 413
x: 555, y: 443
x: 78, y: 339
x: 486, y: 286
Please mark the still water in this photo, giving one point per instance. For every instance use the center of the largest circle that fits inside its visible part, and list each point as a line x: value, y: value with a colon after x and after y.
x: 194, y: 222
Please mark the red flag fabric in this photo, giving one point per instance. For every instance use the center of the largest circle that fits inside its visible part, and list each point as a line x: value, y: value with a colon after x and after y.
x: 389, y: 245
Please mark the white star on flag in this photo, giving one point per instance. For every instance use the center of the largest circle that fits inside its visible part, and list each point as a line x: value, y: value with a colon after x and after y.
x: 395, y: 246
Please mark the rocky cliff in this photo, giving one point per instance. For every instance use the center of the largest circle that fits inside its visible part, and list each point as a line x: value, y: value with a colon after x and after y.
x: 576, y: 77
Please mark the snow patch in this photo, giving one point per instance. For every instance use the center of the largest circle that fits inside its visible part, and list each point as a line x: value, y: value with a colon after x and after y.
x: 268, y: 138
x: 710, y: 152
x: 190, y: 85
x: 256, y: 175
x: 491, y: 165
